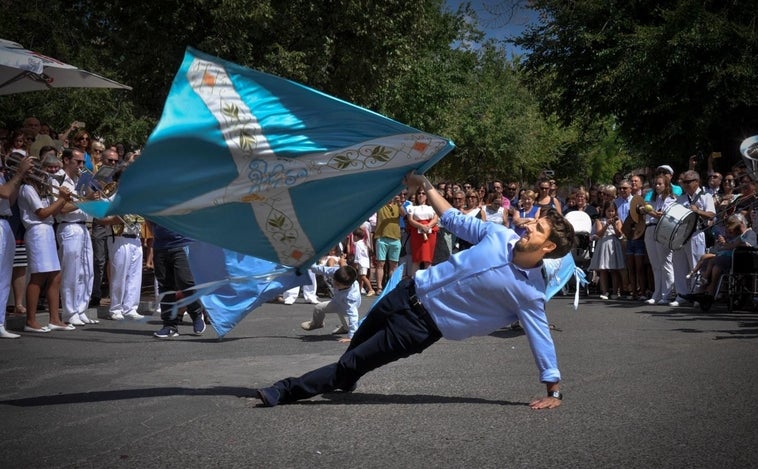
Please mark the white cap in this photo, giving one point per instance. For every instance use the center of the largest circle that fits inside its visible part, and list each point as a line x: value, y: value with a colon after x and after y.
x: 666, y: 168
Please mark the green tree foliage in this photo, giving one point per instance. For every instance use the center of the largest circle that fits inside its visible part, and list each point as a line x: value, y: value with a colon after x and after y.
x: 410, y: 60
x: 676, y: 77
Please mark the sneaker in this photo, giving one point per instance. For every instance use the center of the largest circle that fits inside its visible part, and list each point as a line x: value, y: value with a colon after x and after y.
x: 371, y: 293
x: 340, y: 330
x: 615, y: 297
x: 604, y: 296
x: 674, y: 304
x: 166, y: 333
x: 117, y: 316
x: 198, y: 325
x: 309, y: 326
x: 134, y: 316
x: 630, y: 297
x: 651, y: 301
x: 74, y: 320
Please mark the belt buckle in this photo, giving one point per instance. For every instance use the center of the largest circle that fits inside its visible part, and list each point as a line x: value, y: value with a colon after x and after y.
x: 415, y: 301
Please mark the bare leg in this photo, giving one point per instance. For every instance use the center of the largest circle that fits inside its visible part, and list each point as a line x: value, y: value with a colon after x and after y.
x: 18, y: 280
x: 33, y: 290
x: 53, y: 298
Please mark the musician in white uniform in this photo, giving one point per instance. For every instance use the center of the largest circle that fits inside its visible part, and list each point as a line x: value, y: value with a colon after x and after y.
x: 125, y: 254
x: 38, y: 206
x: 701, y: 203
x: 74, y: 248
x: 8, y: 193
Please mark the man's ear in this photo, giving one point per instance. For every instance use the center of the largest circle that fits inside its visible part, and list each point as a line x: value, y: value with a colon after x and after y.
x: 548, y: 247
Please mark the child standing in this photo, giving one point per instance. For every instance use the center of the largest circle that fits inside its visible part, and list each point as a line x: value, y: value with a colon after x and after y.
x: 362, y: 260
x: 345, y: 301
x: 608, y: 259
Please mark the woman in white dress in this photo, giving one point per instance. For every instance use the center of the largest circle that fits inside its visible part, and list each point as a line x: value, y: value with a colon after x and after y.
x: 38, y: 207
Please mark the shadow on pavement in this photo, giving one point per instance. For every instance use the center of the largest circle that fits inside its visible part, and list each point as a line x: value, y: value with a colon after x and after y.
x: 122, y: 394
x: 343, y: 398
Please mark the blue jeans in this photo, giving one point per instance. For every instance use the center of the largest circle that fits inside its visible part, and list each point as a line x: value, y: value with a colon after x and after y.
x: 172, y: 271
x: 391, y: 331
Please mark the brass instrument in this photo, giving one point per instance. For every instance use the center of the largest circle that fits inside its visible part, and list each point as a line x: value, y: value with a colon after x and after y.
x: 36, y: 175
x: 749, y: 152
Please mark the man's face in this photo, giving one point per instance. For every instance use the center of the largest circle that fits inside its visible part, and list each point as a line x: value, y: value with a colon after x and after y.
x: 537, y: 232
x: 714, y: 180
x: 32, y: 125
x: 498, y: 187
x: 636, y: 182
x: 75, y: 164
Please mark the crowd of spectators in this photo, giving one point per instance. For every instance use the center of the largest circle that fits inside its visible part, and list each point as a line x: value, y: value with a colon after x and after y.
x: 53, y: 251
x: 54, y: 255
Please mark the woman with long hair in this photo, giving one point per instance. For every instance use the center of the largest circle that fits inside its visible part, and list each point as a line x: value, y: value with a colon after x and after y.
x: 660, y: 255
x: 38, y: 206
x: 421, y: 221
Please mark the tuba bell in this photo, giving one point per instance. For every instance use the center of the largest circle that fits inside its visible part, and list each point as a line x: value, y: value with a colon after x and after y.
x: 749, y: 152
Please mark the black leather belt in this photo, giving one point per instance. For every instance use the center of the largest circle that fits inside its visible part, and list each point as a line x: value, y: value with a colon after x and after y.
x: 422, y: 313
x: 128, y: 236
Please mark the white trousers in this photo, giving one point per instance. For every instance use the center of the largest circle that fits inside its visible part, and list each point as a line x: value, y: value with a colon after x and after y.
x: 685, y: 260
x: 125, y: 256
x: 661, y: 261
x: 309, y: 291
x: 324, y: 307
x: 7, y: 250
x: 75, y: 255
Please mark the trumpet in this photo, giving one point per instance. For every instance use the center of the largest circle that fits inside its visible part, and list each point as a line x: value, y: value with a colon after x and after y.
x: 36, y: 175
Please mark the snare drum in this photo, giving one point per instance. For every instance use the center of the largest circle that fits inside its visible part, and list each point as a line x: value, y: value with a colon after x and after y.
x: 675, y: 226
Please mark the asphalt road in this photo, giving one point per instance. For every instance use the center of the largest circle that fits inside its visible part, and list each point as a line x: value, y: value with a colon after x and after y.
x: 644, y: 386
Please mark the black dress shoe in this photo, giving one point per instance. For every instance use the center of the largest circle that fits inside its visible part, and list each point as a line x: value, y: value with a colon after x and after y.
x: 693, y: 297
x: 706, y: 301
x: 269, y: 396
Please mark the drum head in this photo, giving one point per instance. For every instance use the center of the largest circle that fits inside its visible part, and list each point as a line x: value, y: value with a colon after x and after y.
x: 675, y: 226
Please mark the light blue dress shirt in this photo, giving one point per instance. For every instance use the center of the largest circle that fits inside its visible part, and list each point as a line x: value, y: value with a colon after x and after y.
x: 479, y: 290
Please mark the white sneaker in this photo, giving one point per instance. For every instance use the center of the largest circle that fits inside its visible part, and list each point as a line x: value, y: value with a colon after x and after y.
x: 650, y: 301
x: 604, y: 296
x: 117, y: 316
x: 134, y: 316
x: 309, y: 326
x: 674, y: 304
x: 4, y: 334
x: 340, y: 330
x: 87, y: 320
x: 75, y: 321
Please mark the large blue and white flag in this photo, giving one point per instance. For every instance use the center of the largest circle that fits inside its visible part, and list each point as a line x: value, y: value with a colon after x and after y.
x: 264, y: 166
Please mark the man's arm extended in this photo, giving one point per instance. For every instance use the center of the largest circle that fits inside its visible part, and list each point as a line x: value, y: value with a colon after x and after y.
x: 435, y: 199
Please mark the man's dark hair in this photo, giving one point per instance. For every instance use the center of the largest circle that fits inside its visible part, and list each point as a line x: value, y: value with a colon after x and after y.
x: 561, y: 233
x: 346, y: 275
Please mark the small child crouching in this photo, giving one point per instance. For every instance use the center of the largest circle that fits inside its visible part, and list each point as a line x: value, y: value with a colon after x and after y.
x: 345, y: 301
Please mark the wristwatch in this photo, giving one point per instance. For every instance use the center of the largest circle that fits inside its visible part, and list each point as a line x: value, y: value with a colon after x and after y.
x: 555, y: 394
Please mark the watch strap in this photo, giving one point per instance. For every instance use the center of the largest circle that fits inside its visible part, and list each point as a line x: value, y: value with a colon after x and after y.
x: 555, y: 394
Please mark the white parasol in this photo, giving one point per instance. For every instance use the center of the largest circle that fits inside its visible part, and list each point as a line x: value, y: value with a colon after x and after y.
x: 22, y: 70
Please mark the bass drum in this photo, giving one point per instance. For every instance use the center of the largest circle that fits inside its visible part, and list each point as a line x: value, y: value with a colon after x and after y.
x: 675, y: 226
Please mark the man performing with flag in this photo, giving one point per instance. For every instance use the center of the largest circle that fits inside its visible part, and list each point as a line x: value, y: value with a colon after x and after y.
x: 505, y: 272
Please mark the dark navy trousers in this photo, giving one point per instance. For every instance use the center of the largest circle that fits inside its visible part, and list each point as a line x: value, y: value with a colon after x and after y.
x: 392, y: 330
